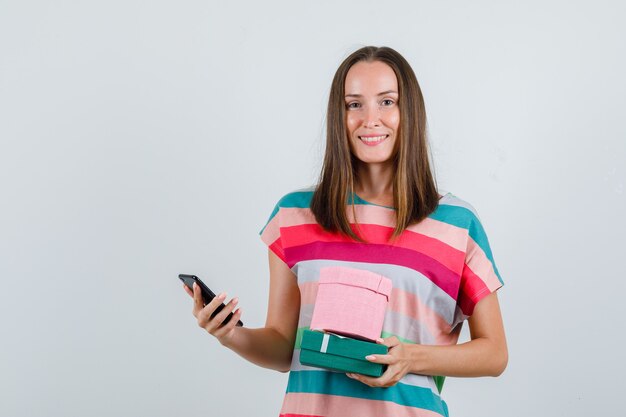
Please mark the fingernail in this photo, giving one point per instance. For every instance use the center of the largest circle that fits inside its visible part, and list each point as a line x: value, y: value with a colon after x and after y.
x: 195, y: 285
x: 370, y: 357
x: 222, y: 296
x: 235, y: 301
x: 379, y: 340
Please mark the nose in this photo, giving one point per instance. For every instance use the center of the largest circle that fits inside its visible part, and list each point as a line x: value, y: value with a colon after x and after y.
x: 371, y: 117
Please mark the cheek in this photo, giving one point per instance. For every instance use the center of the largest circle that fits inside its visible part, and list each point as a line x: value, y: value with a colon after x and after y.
x: 393, y: 119
x: 352, y: 123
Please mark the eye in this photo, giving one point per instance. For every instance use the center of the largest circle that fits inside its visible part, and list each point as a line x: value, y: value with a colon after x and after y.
x: 387, y: 100
x: 353, y: 105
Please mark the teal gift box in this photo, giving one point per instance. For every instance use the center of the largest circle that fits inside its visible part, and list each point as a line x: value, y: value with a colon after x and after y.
x: 324, y: 350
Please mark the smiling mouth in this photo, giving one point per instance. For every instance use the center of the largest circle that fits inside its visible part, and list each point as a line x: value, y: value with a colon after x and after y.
x: 372, y: 140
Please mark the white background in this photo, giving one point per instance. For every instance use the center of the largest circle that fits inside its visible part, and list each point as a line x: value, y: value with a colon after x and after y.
x: 142, y: 139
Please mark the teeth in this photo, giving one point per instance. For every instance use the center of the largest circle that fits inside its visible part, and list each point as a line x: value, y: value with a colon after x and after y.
x: 373, y: 138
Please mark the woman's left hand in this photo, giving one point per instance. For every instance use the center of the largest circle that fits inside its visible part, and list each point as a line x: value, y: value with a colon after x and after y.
x: 398, y: 363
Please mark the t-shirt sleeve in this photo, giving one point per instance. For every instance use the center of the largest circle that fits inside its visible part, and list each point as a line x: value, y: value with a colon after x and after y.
x: 480, y: 276
x: 270, y: 233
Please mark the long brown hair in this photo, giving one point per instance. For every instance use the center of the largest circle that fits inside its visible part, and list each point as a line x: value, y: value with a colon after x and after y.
x: 415, y: 194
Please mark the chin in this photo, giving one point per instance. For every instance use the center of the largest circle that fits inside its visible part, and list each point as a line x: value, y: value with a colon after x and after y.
x: 381, y: 160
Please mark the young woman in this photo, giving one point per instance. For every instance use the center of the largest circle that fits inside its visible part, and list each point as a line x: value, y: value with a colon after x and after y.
x: 376, y: 207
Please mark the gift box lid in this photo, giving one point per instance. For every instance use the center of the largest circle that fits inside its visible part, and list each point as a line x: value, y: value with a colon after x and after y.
x: 340, y: 346
x: 356, y: 278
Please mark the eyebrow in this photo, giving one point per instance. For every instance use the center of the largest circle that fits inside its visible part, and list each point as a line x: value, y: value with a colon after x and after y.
x: 380, y: 94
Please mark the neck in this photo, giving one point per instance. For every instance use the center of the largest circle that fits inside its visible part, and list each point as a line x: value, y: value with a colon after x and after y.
x: 374, y: 180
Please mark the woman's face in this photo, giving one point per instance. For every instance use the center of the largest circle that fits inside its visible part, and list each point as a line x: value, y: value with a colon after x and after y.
x: 372, y: 113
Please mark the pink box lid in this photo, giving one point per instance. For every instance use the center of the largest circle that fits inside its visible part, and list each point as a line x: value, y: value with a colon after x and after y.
x: 356, y: 278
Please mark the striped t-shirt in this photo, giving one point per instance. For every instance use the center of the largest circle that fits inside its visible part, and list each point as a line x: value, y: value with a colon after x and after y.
x: 440, y: 268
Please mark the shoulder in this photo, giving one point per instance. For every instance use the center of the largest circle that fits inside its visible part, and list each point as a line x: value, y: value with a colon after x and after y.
x: 298, y: 198
x: 459, y: 212
x: 456, y: 211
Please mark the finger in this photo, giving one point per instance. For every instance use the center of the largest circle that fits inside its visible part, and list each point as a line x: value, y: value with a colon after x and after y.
x: 218, y: 320
x: 384, y: 359
x: 208, y: 314
x: 372, y: 382
x: 204, y: 314
x: 389, y: 342
x: 224, y: 330
x: 198, y: 303
x: 389, y: 378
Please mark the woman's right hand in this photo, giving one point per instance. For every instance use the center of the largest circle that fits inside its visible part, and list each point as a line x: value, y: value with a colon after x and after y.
x: 202, y: 313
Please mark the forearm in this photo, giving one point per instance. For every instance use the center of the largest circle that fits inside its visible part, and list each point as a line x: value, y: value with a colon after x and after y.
x: 263, y: 346
x: 478, y: 357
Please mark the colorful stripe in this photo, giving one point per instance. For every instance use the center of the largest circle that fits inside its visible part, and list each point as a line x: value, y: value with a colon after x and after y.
x: 440, y: 269
x: 413, y: 294
x: 376, y: 253
x: 319, y: 405
x: 338, y: 384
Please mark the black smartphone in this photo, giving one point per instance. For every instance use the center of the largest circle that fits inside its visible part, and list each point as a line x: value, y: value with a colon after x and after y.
x: 207, y: 295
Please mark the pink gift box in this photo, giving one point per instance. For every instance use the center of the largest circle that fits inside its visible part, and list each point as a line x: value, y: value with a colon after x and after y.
x: 351, y: 302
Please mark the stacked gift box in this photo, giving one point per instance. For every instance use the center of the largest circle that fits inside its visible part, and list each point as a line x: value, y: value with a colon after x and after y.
x: 347, y: 318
